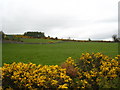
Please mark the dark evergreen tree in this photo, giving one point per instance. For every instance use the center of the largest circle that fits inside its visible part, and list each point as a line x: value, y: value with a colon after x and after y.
x: 56, y: 38
x: 89, y: 39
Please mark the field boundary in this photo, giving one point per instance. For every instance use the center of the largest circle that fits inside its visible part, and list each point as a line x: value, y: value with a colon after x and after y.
x: 8, y: 41
x: 16, y: 42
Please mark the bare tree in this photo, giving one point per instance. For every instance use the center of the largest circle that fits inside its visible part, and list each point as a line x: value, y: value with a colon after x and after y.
x: 115, y: 38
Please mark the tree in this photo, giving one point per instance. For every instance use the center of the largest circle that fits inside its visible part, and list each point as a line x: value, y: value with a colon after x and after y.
x: 115, y: 38
x: 2, y: 35
x: 35, y: 34
x: 56, y: 38
x: 89, y: 39
x: 49, y: 37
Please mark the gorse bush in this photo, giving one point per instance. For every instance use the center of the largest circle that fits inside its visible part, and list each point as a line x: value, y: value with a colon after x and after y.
x: 89, y: 71
x: 95, y: 70
x: 30, y: 76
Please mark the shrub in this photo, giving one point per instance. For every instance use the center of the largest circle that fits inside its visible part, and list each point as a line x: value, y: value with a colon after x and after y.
x: 51, y: 42
x: 94, y: 71
x: 29, y: 76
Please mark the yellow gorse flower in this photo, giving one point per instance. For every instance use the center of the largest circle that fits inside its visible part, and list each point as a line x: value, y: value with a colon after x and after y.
x: 27, y: 74
x: 92, y: 69
x: 63, y: 86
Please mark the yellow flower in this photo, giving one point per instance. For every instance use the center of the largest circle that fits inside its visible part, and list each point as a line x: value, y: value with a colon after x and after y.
x: 87, y: 74
x: 63, y: 86
x: 113, y: 75
x: 88, y: 61
x: 82, y: 58
x: 18, y: 66
x: 116, y: 57
x: 27, y: 85
x: 83, y: 87
x: 85, y: 81
x: 12, y: 77
x: 100, y: 73
x: 54, y: 82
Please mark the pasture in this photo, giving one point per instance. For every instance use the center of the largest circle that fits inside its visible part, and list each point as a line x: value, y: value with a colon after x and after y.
x: 32, y: 40
x: 55, y: 53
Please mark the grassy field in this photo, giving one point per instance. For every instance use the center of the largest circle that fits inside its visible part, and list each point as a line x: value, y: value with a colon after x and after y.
x: 39, y: 40
x: 52, y: 54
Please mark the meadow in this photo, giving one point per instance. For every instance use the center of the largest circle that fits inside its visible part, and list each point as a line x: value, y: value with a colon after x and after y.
x: 55, y: 53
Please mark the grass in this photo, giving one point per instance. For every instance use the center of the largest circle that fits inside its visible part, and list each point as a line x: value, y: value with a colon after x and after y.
x: 52, y: 54
x: 32, y: 40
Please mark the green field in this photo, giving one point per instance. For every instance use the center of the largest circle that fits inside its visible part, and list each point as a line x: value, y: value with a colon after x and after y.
x: 39, y: 40
x: 52, y: 54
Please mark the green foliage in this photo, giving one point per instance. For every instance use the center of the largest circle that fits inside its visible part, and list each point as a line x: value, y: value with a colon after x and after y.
x: 12, y: 38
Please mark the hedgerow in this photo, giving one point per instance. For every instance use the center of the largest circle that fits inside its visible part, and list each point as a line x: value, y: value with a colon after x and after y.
x: 89, y: 71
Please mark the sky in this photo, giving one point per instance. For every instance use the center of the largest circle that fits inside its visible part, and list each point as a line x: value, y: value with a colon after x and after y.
x: 75, y: 19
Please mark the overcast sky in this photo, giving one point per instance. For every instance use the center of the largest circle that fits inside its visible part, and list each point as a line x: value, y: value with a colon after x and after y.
x: 78, y: 19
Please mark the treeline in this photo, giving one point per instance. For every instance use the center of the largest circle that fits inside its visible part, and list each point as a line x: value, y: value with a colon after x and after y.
x: 26, y: 35
x: 42, y: 35
x: 35, y: 34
